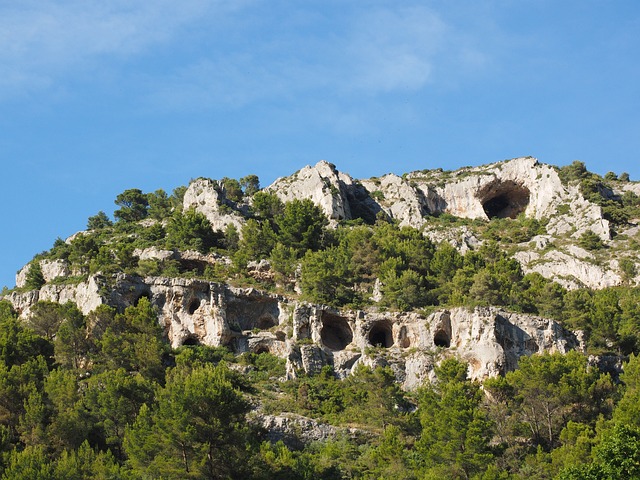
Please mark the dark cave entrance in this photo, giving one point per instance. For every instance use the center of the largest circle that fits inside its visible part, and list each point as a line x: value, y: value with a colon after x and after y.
x: 336, y: 333
x: 442, y: 339
x: 265, y: 322
x: 381, y: 334
x: 146, y: 295
x: 504, y: 200
x: 261, y: 349
x: 403, y: 338
x: 190, y: 341
x: 193, y: 306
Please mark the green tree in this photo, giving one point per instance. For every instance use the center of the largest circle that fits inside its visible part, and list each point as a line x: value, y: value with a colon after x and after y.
x: 19, y: 344
x: 627, y: 411
x: 35, y: 279
x: 454, y: 441
x: 325, y: 276
x: 267, y: 205
x: 250, y: 184
x: 159, y: 205
x: 617, y: 457
x: 46, y: 317
x: 114, y: 398
x: 550, y: 390
x: 232, y: 189
x: 192, y: 230
x: 71, y: 345
x: 196, y: 430
x: 133, y: 206
x: 28, y: 464
x: 99, y: 221
x: 86, y: 463
x: 257, y: 240
x: 301, y: 225
x: 177, y: 197
x: 133, y: 341
x: 590, y: 241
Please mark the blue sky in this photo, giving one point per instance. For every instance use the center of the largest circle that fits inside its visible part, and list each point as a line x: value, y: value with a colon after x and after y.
x: 100, y: 96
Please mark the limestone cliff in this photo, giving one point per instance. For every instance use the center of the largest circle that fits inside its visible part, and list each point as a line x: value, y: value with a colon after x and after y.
x: 312, y: 336
x: 507, y: 189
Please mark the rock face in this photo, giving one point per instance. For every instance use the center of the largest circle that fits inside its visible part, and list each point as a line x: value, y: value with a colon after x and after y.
x: 51, y: 269
x: 206, y: 196
x: 312, y: 336
x: 86, y: 295
x: 339, y: 196
x: 500, y: 190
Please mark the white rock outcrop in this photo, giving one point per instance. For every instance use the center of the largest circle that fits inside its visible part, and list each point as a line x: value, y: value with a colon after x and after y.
x: 323, y: 184
x: 206, y: 196
x: 51, y: 269
x: 312, y: 336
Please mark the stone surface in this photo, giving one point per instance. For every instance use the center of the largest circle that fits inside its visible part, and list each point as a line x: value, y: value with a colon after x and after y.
x: 51, y: 269
x: 312, y: 336
x: 206, y: 196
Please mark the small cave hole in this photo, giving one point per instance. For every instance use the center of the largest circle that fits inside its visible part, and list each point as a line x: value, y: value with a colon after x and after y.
x: 191, y: 341
x: 381, y: 334
x: 193, y: 306
x: 403, y: 338
x: 261, y: 349
x: 146, y: 295
x: 441, y: 339
x: 506, y: 200
x: 265, y: 322
x: 336, y: 333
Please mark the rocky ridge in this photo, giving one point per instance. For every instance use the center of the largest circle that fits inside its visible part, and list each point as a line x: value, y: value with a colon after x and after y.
x: 499, y: 190
x: 311, y: 336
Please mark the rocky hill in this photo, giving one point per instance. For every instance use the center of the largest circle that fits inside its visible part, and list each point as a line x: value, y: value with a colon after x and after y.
x: 466, y: 208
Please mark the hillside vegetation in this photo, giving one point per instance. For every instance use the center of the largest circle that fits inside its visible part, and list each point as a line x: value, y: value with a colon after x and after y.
x: 103, y: 395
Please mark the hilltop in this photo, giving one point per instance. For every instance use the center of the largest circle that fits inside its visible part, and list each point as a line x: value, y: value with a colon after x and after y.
x: 349, y: 265
x: 479, y: 323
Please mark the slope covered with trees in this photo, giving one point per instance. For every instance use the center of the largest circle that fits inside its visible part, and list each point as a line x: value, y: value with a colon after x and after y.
x: 103, y: 395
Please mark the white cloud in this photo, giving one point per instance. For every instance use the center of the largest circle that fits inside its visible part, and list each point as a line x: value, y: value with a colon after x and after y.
x: 395, y: 49
x: 41, y: 42
x: 44, y: 45
x: 370, y: 53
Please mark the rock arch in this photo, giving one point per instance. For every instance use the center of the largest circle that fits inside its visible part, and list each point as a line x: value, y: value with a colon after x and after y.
x: 261, y: 349
x: 265, y: 322
x: 191, y: 340
x: 336, y: 333
x: 506, y: 199
x: 381, y: 334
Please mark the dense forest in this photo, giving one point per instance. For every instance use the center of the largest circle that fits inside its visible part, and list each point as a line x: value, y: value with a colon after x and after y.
x: 103, y: 395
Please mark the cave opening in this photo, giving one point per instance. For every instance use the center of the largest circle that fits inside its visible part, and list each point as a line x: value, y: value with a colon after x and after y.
x: 190, y: 341
x: 249, y: 313
x: 442, y: 339
x: 381, y: 334
x: 403, y: 338
x: 146, y: 295
x: 505, y: 200
x: 265, y: 322
x: 336, y: 333
x: 261, y: 349
x: 193, y: 306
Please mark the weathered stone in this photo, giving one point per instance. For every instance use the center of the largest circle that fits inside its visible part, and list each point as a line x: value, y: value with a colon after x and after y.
x: 51, y: 269
x: 206, y: 196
